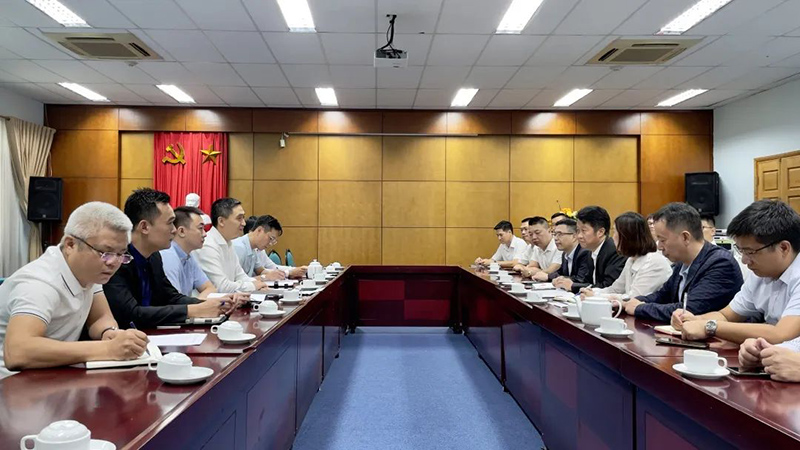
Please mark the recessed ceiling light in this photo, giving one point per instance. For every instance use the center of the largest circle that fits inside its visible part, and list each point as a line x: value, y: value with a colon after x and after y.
x: 59, y: 13
x: 517, y: 16
x: 692, y: 16
x: 84, y: 92
x: 297, y: 15
x: 176, y: 93
x: 573, y: 96
x: 327, y: 96
x: 682, y: 97
x: 463, y: 97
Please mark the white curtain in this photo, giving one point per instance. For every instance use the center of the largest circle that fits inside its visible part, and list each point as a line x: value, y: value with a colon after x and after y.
x: 14, y: 228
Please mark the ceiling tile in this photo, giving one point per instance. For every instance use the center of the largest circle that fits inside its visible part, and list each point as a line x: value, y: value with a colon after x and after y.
x: 353, y: 76
x: 202, y: 95
x: 456, y: 49
x: 29, y: 71
x: 549, y: 15
x: 626, y: 77
x: 509, y: 49
x: 670, y: 77
x: 7, y: 54
x: 344, y: 16
x: 513, y: 98
x: 74, y: 71
x: 64, y: 92
x: 295, y: 48
x: 215, y: 74
x: 241, y: 46
x: 489, y: 77
x: 120, y: 72
x: 632, y: 97
x: 483, y: 98
x: 217, y: 15
x: 416, y: 45
x: 307, y: 75
x: 99, y: 14
x: 711, y: 98
x: 187, y: 45
x: 434, y: 98
x: 267, y: 15
x: 152, y: 94
x: 477, y: 16
x: 116, y: 93
x: 169, y: 73
x: 399, y: 78
x: 792, y: 61
x: 597, y: 98
x: 155, y: 14
x: 773, y: 51
x: 6, y: 77
x: 34, y: 91
x: 597, y: 17
x: 356, y: 98
x: 237, y: 96
x: 563, y: 50
x: 579, y: 77
x: 267, y: 75
x: 27, y: 45
x: 396, y: 98
x: 714, y: 78
x: 535, y: 77
x: 760, y: 77
x: 348, y: 48
x: 648, y: 19
x: 308, y: 97
x: 733, y: 15
x: 443, y: 77
x: 23, y: 14
x: 545, y: 99
x: 413, y: 16
x: 722, y: 50
x: 775, y: 22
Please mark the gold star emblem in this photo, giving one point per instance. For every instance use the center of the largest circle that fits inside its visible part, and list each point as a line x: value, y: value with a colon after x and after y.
x: 211, y: 154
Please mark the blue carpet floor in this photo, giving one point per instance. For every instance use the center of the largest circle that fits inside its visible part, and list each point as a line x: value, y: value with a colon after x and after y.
x: 409, y: 388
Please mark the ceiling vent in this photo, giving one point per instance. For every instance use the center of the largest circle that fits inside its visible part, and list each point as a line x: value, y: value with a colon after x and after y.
x: 121, y: 46
x: 641, y: 51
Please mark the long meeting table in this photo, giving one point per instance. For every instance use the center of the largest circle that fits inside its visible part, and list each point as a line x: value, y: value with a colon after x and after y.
x: 579, y: 389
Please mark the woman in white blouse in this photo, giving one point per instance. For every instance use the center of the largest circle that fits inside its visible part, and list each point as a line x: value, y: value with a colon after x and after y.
x: 645, y: 270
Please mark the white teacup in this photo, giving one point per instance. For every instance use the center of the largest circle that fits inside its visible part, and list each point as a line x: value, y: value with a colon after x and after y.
x: 319, y: 277
x: 703, y: 361
x: 534, y: 296
x: 494, y: 267
x: 309, y: 284
x: 613, y: 325
x: 593, y: 309
x: 61, y: 435
x: 173, y: 366
x: 572, y: 309
x: 266, y: 307
x: 517, y: 287
x: 337, y: 265
x: 505, y: 278
x: 229, y: 330
x: 291, y: 295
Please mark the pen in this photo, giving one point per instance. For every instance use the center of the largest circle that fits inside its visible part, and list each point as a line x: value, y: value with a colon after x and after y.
x: 133, y: 325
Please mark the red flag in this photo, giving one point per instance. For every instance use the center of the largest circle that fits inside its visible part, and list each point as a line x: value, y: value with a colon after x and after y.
x: 191, y: 162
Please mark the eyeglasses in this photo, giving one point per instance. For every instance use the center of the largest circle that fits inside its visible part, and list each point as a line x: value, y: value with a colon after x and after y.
x: 273, y: 240
x: 749, y: 253
x: 108, y: 257
x: 558, y: 235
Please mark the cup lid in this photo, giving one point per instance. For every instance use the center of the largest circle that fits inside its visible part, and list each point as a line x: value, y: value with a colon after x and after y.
x: 231, y: 325
x: 177, y: 358
x: 64, y: 431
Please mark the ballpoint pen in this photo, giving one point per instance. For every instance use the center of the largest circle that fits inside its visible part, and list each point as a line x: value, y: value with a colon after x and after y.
x: 133, y: 325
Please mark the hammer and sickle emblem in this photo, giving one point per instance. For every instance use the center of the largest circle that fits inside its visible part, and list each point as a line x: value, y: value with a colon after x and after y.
x: 178, y: 156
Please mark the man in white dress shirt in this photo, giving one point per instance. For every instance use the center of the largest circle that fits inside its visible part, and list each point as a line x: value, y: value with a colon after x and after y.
x: 260, y: 234
x: 541, y: 255
x: 510, y: 250
x: 218, y: 258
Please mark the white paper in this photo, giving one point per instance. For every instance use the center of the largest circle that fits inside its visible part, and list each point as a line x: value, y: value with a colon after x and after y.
x: 559, y: 304
x: 216, y: 295
x: 153, y: 354
x: 550, y: 293
x: 542, y: 286
x: 178, y: 340
x: 258, y: 297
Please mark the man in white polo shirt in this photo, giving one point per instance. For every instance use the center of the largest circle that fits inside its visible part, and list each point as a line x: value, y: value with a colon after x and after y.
x: 261, y: 233
x: 510, y: 250
x: 542, y: 254
x: 46, y: 304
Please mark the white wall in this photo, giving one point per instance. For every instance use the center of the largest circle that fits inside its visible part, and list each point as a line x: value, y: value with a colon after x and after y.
x: 761, y: 125
x: 13, y: 104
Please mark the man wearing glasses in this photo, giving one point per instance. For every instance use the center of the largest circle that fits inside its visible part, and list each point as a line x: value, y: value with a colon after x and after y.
x: 260, y: 234
x: 767, y: 234
x: 45, y: 305
x: 576, y: 262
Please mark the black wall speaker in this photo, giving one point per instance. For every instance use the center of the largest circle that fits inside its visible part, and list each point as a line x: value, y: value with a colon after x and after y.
x: 702, y: 191
x: 44, y: 199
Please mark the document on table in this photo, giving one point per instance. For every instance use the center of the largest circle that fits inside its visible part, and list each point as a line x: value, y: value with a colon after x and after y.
x: 542, y: 286
x: 258, y: 297
x: 153, y: 354
x: 178, y: 340
x: 551, y: 293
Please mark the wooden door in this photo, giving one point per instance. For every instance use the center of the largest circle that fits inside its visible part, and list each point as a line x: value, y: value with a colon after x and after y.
x: 768, y: 183
x: 790, y: 181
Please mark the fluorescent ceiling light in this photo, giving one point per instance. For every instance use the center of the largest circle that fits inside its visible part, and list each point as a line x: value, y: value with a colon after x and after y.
x: 176, y: 93
x: 692, y: 16
x: 517, y: 16
x: 327, y: 96
x: 573, y: 96
x: 297, y: 15
x: 82, y: 91
x: 463, y: 97
x: 682, y: 97
x: 59, y: 13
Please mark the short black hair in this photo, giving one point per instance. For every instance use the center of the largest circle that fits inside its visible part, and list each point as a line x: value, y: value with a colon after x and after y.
x: 769, y: 222
x: 596, y: 217
x: 142, y: 204
x: 706, y: 217
x: 571, y: 224
x: 559, y: 214
x: 183, y: 215
x: 504, y: 225
x: 536, y: 220
x: 267, y: 222
x: 222, y: 207
x: 679, y: 217
x: 249, y: 223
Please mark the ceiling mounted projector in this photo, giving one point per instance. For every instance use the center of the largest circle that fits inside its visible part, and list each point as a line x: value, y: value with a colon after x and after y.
x: 388, y: 56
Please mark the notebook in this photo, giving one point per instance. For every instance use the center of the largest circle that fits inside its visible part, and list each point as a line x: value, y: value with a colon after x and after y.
x: 667, y: 329
x: 153, y: 356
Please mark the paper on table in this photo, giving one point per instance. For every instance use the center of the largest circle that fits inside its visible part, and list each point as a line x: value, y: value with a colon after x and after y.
x: 178, y: 340
x: 216, y: 295
x: 258, y: 297
x: 542, y: 286
x: 550, y: 293
x: 667, y: 329
x: 153, y: 354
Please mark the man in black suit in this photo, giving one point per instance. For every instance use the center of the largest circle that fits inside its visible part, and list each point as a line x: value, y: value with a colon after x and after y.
x: 594, y: 225
x: 576, y: 262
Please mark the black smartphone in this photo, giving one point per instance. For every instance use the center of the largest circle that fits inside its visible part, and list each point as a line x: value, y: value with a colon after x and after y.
x: 754, y: 372
x: 681, y: 343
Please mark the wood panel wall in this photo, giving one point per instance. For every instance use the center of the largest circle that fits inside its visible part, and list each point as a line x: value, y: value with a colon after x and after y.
x: 397, y: 199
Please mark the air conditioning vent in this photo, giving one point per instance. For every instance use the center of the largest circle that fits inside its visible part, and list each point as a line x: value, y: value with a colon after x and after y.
x: 641, y: 51
x: 125, y: 46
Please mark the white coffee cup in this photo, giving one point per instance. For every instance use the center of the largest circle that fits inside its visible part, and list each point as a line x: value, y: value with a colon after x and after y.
x: 505, y: 278
x: 319, y: 277
x: 517, y: 287
x: 534, y: 296
x: 337, y: 265
x: 266, y: 307
x: 291, y: 295
x: 613, y: 325
x: 703, y: 361
x: 60, y: 435
x: 173, y: 366
x: 593, y: 309
x: 309, y: 283
x: 572, y: 309
x: 229, y: 330
x: 494, y: 267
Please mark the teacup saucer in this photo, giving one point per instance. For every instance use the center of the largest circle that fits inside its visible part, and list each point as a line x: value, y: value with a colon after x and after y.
x: 321, y: 282
x: 541, y: 301
x: 197, y: 375
x: 623, y: 333
x: 292, y: 301
x: 571, y: 316
x: 518, y: 293
x: 98, y: 444
x: 718, y: 373
x: 271, y: 315
x: 308, y: 288
x: 243, y: 339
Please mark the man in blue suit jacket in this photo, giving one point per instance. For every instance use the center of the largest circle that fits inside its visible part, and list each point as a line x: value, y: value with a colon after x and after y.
x: 704, y: 275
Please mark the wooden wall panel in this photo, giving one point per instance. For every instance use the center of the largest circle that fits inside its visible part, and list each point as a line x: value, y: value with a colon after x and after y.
x: 350, y: 203
x: 152, y: 119
x: 350, y: 158
x: 219, y: 119
x: 128, y: 185
x: 298, y: 161
x: 616, y: 198
x: 302, y: 241
x: 285, y: 121
x: 350, y: 121
x: 79, y: 153
x: 482, y: 158
x: 413, y: 246
x: 136, y: 155
x: 768, y: 184
x: 608, y: 123
x: 350, y: 245
x: 476, y: 204
x: 413, y: 204
x: 425, y: 122
x: 240, y: 156
x: 542, y: 158
x: 613, y: 159
x: 479, y: 122
x: 463, y: 245
x: 542, y: 122
x: 80, y: 117
x: 539, y: 199
x: 78, y: 191
x: 294, y: 203
x: 679, y: 123
x: 413, y: 158
x: 242, y: 190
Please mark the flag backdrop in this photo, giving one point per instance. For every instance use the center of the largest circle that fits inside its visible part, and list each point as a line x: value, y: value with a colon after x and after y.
x: 191, y: 162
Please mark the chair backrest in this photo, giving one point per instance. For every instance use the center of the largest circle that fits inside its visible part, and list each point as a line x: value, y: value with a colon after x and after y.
x: 289, y: 258
x: 275, y: 257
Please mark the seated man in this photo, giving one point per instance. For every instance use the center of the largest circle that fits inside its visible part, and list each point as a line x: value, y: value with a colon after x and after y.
x: 576, y: 262
x: 218, y: 258
x: 45, y: 305
x: 594, y: 224
x: 767, y: 233
x: 261, y: 233
x: 510, y: 249
x: 140, y: 293
x: 541, y: 255
x: 704, y: 277
x: 181, y: 269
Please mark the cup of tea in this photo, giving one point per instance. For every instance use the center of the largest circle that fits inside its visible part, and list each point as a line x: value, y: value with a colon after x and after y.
x: 703, y: 361
x: 613, y: 325
x: 291, y: 296
x: 60, y: 435
x: 228, y: 331
x: 266, y: 307
x: 172, y: 366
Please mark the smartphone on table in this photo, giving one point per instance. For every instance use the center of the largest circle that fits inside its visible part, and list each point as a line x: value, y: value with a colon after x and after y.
x: 680, y: 342
x: 757, y: 372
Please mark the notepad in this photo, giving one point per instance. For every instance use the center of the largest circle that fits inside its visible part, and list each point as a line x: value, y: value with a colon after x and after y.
x: 552, y: 293
x: 667, y: 329
x: 178, y: 339
x: 542, y: 286
x: 153, y: 354
x: 258, y: 298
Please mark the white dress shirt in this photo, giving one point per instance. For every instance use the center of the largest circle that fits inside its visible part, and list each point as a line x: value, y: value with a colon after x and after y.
x: 219, y: 261
x: 641, y: 275
x: 545, y: 258
x: 268, y: 264
x: 527, y: 255
x: 571, y: 259
x: 595, y: 253
x: 510, y: 252
x: 767, y: 299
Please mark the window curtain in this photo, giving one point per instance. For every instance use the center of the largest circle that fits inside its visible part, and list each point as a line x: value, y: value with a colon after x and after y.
x: 14, y: 228
x: 29, y: 146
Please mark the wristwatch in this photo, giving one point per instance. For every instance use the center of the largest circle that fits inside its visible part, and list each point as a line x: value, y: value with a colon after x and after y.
x: 711, y: 328
x: 107, y: 329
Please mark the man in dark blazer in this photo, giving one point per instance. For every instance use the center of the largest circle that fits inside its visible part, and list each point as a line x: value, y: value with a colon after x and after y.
x: 704, y: 276
x: 576, y: 262
x: 594, y: 224
x: 140, y: 293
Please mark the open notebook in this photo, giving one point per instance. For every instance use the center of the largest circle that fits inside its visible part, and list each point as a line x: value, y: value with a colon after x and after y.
x: 667, y: 329
x: 154, y: 355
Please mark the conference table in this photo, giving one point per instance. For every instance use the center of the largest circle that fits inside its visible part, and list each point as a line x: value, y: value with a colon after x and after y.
x: 579, y: 389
